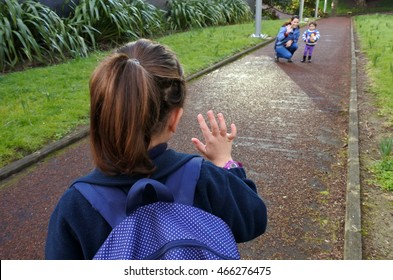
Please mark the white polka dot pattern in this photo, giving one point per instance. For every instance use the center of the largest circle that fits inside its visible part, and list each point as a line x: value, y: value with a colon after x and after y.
x: 170, y: 231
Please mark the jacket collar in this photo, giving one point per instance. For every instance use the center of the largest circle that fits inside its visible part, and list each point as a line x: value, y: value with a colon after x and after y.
x: 165, y: 160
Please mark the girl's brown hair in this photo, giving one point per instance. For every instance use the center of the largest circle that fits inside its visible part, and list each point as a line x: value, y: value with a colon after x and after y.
x: 131, y: 95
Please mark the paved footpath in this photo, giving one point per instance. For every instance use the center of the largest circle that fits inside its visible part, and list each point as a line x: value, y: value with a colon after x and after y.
x: 292, y: 121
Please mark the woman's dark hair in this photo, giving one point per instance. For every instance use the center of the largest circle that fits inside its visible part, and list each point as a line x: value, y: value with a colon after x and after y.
x: 132, y: 93
x: 290, y: 20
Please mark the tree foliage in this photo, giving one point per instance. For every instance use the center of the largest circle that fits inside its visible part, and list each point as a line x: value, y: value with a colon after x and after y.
x: 293, y: 6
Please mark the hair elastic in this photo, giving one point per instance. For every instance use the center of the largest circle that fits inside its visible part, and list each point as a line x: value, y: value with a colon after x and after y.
x: 134, y: 60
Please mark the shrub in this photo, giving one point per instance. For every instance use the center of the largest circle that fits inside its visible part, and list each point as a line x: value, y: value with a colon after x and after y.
x: 183, y: 15
x: 30, y: 31
x: 110, y: 19
x: 236, y: 11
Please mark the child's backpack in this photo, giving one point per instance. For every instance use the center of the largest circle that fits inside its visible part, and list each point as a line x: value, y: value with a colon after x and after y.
x: 157, y: 221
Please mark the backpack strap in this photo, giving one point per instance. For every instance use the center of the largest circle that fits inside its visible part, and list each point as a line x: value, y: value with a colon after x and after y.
x: 108, y: 201
x: 183, y: 181
x: 111, y: 202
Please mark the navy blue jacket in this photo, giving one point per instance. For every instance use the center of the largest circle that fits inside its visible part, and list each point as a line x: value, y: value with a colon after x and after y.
x: 77, y: 231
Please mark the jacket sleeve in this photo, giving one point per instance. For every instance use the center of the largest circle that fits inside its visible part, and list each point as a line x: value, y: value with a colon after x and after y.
x: 72, y: 231
x: 304, y: 37
x: 281, y: 38
x: 229, y: 195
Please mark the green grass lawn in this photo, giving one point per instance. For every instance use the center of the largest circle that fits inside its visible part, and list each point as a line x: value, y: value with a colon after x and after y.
x: 345, y: 6
x: 376, y: 37
x: 41, y: 105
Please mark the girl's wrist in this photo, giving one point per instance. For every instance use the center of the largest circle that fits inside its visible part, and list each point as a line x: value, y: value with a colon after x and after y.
x: 221, y: 162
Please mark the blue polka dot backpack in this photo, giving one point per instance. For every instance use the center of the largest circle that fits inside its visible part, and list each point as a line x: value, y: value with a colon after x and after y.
x: 167, y: 227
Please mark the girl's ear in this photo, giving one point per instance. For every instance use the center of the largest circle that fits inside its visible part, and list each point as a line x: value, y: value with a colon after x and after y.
x: 175, y: 118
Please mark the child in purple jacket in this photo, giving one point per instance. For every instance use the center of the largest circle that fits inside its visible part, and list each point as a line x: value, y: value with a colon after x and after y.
x: 310, y: 37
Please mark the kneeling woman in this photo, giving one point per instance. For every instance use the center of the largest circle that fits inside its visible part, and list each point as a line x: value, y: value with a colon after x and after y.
x: 286, y: 41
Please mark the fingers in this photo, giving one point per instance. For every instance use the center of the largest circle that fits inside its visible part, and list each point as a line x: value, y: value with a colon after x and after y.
x: 217, y: 128
x: 233, y: 133
x: 223, y: 125
x: 199, y: 145
x: 213, y: 123
x: 203, y: 126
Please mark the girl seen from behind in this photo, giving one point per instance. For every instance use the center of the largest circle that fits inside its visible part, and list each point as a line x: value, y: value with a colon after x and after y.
x: 137, y: 96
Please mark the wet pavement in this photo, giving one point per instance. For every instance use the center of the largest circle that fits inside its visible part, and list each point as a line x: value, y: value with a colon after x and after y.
x: 292, y: 121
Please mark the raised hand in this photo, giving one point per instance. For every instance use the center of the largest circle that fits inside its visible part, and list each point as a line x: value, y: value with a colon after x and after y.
x: 218, y: 142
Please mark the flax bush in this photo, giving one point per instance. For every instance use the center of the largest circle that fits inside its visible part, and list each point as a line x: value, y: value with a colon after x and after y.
x: 31, y: 32
x: 187, y: 14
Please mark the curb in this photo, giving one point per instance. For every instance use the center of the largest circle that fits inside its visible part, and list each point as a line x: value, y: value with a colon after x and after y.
x: 352, y: 231
x: 27, y: 161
